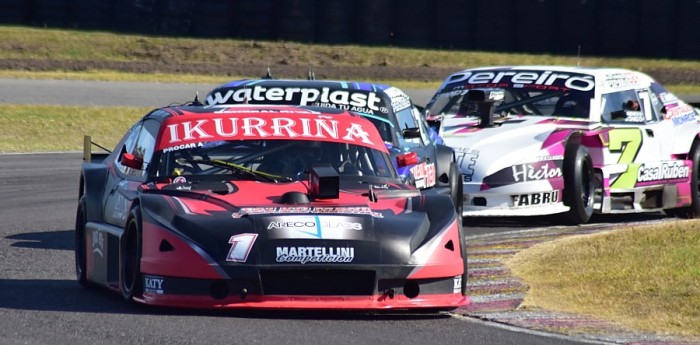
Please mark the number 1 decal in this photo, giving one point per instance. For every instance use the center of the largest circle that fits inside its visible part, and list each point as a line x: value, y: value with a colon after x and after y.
x: 628, y: 141
x: 240, y: 247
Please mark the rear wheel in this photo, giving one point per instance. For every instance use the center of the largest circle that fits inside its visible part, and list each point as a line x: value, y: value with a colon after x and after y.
x: 693, y: 210
x: 579, y: 184
x: 463, y: 249
x: 456, y: 190
x: 130, y: 272
x: 80, y: 246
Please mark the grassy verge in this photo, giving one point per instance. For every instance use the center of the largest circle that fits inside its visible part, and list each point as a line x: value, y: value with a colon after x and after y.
x: 61, y: 128
x: 646, y: 277
x: 38, y: 43
x: 106, y: 75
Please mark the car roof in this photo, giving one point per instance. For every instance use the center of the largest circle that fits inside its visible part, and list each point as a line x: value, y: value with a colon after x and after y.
x: 335, y: 84
x: 606, y: 79
x: 362, y: 97
x: 188, y: 125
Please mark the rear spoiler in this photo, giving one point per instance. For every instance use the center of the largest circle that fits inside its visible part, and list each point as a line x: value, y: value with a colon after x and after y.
x: 93, y: 157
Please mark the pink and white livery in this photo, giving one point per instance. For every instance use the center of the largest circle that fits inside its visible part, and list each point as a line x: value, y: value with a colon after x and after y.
x: 541, y: 140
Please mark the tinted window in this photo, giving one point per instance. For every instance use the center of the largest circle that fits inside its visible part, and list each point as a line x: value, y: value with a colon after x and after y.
x: 141, y: 144
x: 622, y: 107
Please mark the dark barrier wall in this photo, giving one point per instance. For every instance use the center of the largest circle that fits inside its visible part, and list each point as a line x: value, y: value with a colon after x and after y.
x: 644, y: 28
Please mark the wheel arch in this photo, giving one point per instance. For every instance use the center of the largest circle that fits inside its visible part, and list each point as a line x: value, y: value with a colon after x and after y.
x: 444, y: 155
x: 685, y: 139
x: 92, y: 184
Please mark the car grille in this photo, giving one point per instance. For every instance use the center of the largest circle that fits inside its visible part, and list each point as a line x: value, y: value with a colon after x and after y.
x: 318, y: 282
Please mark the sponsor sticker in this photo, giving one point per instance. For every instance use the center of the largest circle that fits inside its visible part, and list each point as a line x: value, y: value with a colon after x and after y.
x: 466, y: 158
x: 184, y: 132
x: 399, y: 100
x: 153, y: 284
x: 244, y: 211
x: 533, y: 172
x: 182, y: 147
x: 324, y: 97
x: 617, y: 80
x: 535, y: 199
x: 538, y: 80
x: 457, y: 284
x: 424, y: 174
x: 304, y: 255
x: 662, y: 171
x: 314, y: 227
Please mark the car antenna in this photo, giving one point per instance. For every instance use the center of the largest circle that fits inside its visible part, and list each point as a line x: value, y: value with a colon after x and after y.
x: 268, y: 75
x: 196, y: 101
x: 578, y: 56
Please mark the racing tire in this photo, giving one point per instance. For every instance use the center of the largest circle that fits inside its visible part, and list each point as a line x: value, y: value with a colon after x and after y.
x: 80, y: 245
x: 130, y: 279
x: 693, y: 210
x: 456, y: 189
x: 463, y: 250
x: 579, y: 185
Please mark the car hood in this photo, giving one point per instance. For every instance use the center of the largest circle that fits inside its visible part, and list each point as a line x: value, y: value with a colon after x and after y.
x: 386, y: 227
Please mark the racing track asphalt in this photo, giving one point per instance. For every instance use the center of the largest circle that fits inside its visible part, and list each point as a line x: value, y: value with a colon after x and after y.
x: 40, y: 302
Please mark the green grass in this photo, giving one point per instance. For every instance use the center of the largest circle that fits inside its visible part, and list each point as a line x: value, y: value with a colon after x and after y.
x: 645, y: 277
x: 38, y: 43
x: 28, y: 43
x: 61, y: 128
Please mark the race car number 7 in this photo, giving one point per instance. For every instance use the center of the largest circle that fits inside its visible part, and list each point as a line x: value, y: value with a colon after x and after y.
x: 628, y: 141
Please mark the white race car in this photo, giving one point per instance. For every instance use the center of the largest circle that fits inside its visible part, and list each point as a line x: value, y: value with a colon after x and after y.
x: 540, y: 140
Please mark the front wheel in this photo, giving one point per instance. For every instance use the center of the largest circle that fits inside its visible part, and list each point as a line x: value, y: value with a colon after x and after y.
x: 130, y: 278
x: 463, y: 250
x: 80, y: 246
x: 456, y: 189
x: 579, y: 184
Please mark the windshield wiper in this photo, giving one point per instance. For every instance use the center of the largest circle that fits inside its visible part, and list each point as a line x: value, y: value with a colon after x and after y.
x: 240, y: 168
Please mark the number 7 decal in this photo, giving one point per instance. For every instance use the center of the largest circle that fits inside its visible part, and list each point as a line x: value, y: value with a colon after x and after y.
x: 628, y: 141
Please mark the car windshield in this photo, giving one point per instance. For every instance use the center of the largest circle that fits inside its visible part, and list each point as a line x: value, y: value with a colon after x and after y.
x: 517, y: 101
x: 273, y: 160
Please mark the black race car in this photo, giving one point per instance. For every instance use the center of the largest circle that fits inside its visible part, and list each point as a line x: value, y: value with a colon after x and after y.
x: 419, y: 154
x: 264, y: 207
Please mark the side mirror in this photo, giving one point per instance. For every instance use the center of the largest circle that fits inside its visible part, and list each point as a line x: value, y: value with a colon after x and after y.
x: 434, y: 122
x: 411, y: 133
x: 407, y: 159
x: 618, y: 115
x: 131, y: 161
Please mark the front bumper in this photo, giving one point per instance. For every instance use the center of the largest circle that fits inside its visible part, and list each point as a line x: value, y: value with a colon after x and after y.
x: 413, y: 294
